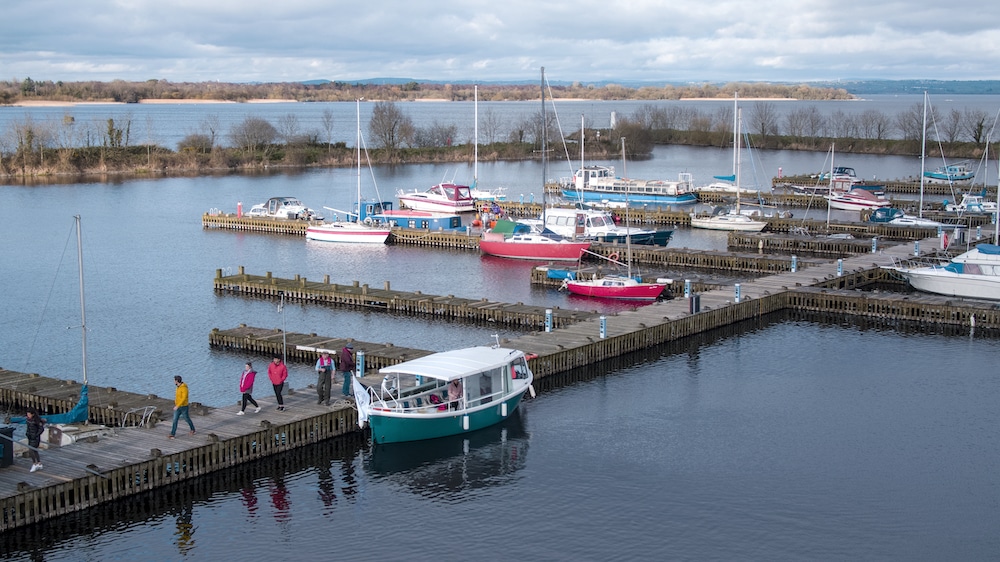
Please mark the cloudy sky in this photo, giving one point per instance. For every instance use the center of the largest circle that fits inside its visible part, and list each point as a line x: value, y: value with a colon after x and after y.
x: 581, y: 40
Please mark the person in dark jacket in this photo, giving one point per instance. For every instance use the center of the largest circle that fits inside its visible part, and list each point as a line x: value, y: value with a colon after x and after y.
x: 35, y: 426
x: 347, y: 366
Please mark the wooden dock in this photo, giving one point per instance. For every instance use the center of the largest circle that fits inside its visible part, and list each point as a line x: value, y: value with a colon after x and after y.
x: 133, y: 455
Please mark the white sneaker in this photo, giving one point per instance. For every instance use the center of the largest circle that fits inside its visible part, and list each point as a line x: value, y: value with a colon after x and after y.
x: 257, y: 411
x: 240, y: 413
x: 36, y: 466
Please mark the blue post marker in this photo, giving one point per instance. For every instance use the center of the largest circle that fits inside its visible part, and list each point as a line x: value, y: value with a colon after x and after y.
x: 916, y: 248
x: 979, y: 232
x: 737, y: 292
x: 687, y: 288
x: 940, y: 230
x: 548, y: 319
x: 360, y: 363
x: 604, y: 327
x: 795, y: 263
x: 874, y: 245
x: 522, y: 199
x: 840, y: 266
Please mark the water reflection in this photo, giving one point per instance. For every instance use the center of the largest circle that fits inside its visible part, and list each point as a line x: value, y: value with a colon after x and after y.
x: 448, y: 467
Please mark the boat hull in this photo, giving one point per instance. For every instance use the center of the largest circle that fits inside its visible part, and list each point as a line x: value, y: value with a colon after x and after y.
x: 389, y: 427
x: 638, y: 292
x: 728, y: 222
x: 542, y: 251
x: 631, y: 198
x: 347, y: 232
x: 943, y: 282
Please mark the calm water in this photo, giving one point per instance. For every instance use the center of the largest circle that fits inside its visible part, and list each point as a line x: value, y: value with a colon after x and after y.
x: 752, y: 443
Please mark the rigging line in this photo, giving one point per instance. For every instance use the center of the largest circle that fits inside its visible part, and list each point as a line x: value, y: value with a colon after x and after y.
x: 371, y: 170
x: 48, y: 298
x: 555, y: 112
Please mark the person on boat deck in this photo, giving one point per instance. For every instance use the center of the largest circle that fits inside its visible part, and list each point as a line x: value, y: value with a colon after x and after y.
x: 324, y: 374
x: 246, y: 387
x: 454, y: 393
x: 34, y: 425
x: 181, y: 406
x: 347, y: 366
x: 278, y: 374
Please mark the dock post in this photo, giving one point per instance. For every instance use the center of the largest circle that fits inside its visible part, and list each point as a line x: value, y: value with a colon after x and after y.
x: 874, y: 245
x: 979, y: 232
x: 687, y: 285
x: 737, y: 293
x: 604, y: 327
x: 795, y: 263
x: 548, y: 319
x: 840, y: 267
x: 360, y: 363
x: 916, y: 247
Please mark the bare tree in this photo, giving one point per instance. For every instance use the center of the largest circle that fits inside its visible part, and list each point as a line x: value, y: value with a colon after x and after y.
x: 974, y: 123
x: 327, y: 120
x: 212, y: 128
x: 951, y: 126
x: 435, y: 135
x: 764, y: 119
x: 288, y: 128
x: 796, y: 122
x: 489, y: 125
x: 874, y: 124
x: 252, y: 134
x: 389, y: 127
x: 910, y: 122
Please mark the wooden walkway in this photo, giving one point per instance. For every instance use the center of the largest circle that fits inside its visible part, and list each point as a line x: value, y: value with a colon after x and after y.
x: 134, y: 454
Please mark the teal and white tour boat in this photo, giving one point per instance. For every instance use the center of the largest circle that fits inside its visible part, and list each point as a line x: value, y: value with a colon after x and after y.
x: 446, y: 393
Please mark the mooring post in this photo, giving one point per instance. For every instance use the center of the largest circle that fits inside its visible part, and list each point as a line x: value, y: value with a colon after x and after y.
x: 737, y: 292
x: 360, y: 363
x: 916, y: 247
x: 795, y: 263
x: 874, y: 245
x: 687, y: 288
x: 604, y: 327
x: 840, y: 267
x: 548, y: 319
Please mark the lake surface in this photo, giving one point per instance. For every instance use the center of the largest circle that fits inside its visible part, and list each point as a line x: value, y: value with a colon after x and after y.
x: 780, y: 440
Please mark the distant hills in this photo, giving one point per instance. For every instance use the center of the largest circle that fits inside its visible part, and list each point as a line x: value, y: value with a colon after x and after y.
x: 861, y: 87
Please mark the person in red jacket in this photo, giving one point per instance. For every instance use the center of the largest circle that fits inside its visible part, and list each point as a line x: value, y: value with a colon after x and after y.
x: 278, y: 373
x: 246, y: 387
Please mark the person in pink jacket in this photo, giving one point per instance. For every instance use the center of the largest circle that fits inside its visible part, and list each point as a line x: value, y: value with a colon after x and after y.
x: 278, y: 373
x: 246, y: 387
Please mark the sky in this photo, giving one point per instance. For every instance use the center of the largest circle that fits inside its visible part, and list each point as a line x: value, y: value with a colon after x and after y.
x: 661, y: 41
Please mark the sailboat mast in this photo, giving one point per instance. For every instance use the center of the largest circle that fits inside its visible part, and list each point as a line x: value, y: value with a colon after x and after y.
x: 544, y: 162
x: 739, y: 123
x: 475, y: 165
x: 83, y: 307
x: 628, y: 229
x: 358, y: 198
x: 736, y: 133
x: 923, y: 156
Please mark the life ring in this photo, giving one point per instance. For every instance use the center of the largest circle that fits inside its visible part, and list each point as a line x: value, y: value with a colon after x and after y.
x: 613, y: 256
x: 368, y: 221
x: 477, y: 222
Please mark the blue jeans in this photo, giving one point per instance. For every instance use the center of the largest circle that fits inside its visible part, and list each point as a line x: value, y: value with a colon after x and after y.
x: 347, y: 383
x: 181, y: 411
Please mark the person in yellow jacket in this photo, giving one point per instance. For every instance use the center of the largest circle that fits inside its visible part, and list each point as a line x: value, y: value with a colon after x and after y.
x: 180, y: 405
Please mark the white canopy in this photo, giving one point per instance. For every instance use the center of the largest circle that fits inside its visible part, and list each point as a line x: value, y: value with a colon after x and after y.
x: 456, y: 364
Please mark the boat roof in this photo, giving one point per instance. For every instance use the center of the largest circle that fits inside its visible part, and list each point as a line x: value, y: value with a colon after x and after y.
x: 455, y: 364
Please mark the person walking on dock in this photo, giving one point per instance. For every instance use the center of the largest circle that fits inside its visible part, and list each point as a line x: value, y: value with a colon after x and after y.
x: 347, y: 366
x: 246, y: 387
x: 33, y: 430
x: 180, y: 406
x: 324, y: 375
x: 278, y: 374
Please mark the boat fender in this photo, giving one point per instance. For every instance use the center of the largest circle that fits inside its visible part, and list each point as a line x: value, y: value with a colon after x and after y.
x: 465, y: 423
x: 531, y: 390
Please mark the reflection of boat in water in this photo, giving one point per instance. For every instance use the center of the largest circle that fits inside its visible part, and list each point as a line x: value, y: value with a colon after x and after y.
x: 482, y: 458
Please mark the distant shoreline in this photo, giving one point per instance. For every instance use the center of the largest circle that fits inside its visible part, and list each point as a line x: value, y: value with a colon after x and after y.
x: 53, y: 103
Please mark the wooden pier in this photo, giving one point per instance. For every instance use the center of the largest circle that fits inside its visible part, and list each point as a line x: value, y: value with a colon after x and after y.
x: 133, y: 455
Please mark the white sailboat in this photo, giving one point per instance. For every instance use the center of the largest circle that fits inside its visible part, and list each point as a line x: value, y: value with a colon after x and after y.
x: 733, y: 220
x: 354, y: 229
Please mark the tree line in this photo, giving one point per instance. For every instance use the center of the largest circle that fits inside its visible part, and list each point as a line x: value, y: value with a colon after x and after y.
x: 30, y: 148
x: 14, y: 91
